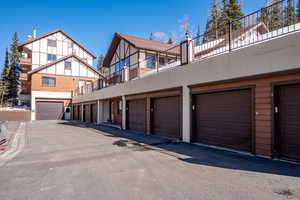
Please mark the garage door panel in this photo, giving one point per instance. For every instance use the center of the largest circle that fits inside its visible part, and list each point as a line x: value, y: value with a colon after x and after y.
x: 136, y: 115
x: 49, y: 110
x: 94, y: 113
x: 224, y: 119
x: 166, y: 117
x: 288, y: 121
x: 87, y: 112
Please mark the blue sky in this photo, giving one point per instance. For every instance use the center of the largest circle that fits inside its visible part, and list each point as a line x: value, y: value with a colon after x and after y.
x: 93, y: 22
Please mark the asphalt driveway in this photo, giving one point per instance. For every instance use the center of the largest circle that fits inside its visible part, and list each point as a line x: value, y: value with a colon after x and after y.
x: 63, y: 160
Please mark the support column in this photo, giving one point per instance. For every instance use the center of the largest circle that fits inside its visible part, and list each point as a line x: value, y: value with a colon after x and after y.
x: 148, y: 115
x: 98, y: 112
x: 186, y: 114
x: 81, y: 112
x: 124, y: 109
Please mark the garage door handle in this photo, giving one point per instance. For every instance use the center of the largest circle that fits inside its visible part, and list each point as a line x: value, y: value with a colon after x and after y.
x: 276, y: 109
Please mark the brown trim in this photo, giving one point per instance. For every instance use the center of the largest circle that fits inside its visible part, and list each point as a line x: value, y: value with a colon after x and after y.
x: 131, y: 96
x: 63, y: 59
x: 53, y: 32
x: 253, y: 128
x: 253, y: 77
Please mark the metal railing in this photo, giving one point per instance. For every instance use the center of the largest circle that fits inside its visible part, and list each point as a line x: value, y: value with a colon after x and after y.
x: 269, y: 22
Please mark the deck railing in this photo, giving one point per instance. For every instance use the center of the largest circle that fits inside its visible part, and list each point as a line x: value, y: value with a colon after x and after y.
x: 269, y: 22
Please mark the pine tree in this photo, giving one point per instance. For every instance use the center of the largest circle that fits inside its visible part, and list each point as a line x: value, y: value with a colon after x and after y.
x: 198, y: 36
x: 14, y: 70
x: 100, y: 62
x: 170, y: 41
x: 4, y: 78
x: 275, y: 15
x: 298, y: 11
x: 151, y: 36
x: 231, y: 13
x: 4, y: 82
x: 213, y: 23
x: 290, y: 14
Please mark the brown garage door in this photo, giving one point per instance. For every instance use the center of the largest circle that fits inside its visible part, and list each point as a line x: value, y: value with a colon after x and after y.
x: 87, y: 113
x: 80, y: 113
x: 165, y: 117
x: 288, y: 121
x: 94, y: 113
x: 75, y: 113
x: 49, y: 110
x: 136, y: 115
x: 224, y: 119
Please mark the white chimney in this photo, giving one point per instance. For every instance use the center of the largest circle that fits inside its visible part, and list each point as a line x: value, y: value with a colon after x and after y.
x: 29, y: 37
x: 34, y: 33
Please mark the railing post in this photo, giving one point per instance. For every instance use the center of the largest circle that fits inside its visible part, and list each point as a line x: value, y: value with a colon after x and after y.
x: 187, y: 51
x: 125, y: 74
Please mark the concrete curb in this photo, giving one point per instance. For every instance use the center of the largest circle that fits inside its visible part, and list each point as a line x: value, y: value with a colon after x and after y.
x: 16, y: 145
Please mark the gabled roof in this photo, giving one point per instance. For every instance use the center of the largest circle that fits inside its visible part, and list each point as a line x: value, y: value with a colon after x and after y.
x: 139, y: 43
x: 53, y: 32
x: 62, y: 59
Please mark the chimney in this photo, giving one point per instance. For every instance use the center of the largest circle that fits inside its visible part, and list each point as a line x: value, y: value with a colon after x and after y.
x: 29, y: 38
x: 34, y: 33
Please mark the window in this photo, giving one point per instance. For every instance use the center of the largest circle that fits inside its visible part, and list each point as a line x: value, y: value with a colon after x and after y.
x: 120, y: 65
x: 150, y: 61
x: 51, y: 57
x: 68, y: 65
x: 162, y: 61
x: 49, y: 81
x: 70, y: 45
x: 52, y: 43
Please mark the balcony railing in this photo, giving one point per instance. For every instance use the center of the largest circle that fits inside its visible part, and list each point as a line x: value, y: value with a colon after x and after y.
x: 267, y: 23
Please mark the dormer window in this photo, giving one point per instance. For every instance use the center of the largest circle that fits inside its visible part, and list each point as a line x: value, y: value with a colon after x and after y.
x: 52, y: 43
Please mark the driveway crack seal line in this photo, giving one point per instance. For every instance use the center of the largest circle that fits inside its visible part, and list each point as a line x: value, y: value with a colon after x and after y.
x: 17, y: 145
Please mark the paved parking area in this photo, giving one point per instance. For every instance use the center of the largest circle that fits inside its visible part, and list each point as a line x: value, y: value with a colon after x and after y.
x: 63, y: 160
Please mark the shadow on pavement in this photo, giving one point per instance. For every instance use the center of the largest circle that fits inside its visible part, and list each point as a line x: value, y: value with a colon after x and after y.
x: 192, y: 153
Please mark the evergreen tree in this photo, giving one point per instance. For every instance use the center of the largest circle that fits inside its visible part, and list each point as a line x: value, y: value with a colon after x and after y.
x: 275, y: 15
x: 231, y: 13
x: 151, y: 36
x: 298, y: 11
x: 170, y: 41
x: 4, y: 82
x: 198, y: 36
x: 290, y: 13
x: 14, y: 70
x: 213, y: 24
x: 100, y: 62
